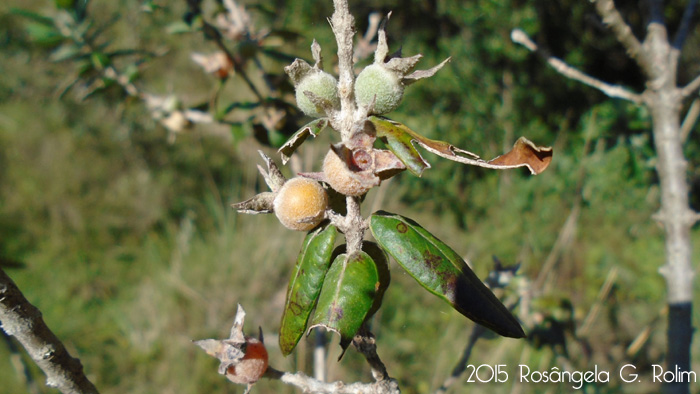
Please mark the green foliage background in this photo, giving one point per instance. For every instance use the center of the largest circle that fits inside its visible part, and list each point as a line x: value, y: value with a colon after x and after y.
x: 128, y: 246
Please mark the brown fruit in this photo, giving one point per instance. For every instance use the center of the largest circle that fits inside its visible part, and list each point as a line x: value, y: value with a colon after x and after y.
x: 301, y: 204
x: 252, y: 366
x: 341, y: 178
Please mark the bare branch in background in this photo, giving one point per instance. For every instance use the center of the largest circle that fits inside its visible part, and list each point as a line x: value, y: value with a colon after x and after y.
x: 614, y: 91
x: 686, y: 22
x: 23, y: 320
x: 612, y: 18
x: 692, y: 87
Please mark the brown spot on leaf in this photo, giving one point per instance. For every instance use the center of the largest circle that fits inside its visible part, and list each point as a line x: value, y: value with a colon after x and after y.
x: 402, y: 228
x: 336, y: 313
x: 295, y: 306
x: 432, y: 260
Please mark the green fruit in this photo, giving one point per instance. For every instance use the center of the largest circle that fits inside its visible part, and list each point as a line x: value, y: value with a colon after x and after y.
x: 323, y: 85
x: 385, y: 84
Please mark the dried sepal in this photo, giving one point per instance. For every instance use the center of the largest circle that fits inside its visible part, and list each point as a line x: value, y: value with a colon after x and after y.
x: 243, y: 360
x: 297, y: 71
x: 316, y: 54
x: 273, y: 176
x: 260, y: 203
x: 421, y: 74
x: 263, y: 202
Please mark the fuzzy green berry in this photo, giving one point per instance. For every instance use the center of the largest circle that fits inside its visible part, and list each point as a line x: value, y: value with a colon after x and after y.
x: 385, y: 84
x: 323, y: 85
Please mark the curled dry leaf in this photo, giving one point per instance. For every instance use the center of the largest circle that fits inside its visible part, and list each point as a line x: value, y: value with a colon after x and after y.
x: 217, y: 63
x: 263, y: 202
x: 310, y: 129
x: 401, y: 141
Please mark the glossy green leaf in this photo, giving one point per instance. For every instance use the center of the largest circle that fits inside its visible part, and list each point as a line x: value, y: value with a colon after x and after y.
x: 440, y: 270
x: 305, y: 285
x: 400, y: 143
x: 347, y: 296
x: 312, y: 128
x: 381, y: 260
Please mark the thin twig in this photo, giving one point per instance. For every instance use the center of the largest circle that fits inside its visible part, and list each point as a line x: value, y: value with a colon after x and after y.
x: 237, y: 65
x: 366, y: 344
x: 691, y: 87
x: 690, y: 118
x: 23, y: 320
x: 520, y: 37
x: 686, y: 22
x: 311, y: 385
x: 600, y: 300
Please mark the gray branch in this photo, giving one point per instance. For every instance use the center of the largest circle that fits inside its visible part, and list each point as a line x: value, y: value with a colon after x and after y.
x: 23, y: 320
x: 623, y: 32
x: 692, y: 87
x: 310, y: 385
x: 615, y: 91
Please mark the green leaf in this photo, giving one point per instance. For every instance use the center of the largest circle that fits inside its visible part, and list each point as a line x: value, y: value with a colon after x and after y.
x: 347, y: 296
x: 400, y: 142
x: 305, y: 285
x: 441, y: 271
x: 43, y: 34
x: 381, y: 260
x: 311, y: 128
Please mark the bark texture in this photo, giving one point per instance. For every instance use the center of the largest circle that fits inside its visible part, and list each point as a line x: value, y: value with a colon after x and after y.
x: 23, y: 320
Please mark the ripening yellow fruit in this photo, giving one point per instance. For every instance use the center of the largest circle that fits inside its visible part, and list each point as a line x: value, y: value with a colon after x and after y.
x: 252, y: 366
x: 339, y: 176
x: 300, y: 204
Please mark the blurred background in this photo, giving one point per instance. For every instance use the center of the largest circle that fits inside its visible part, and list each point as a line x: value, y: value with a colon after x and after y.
x: 120, y: 156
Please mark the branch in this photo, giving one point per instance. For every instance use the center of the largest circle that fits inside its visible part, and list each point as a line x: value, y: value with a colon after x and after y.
x: 343, y: 25
x: 23, y: 320
x: 311, y: 385
x: 691, y: 87
x: 520, y: 37
x: 623, y: 32
x: 366, y: 344
x: 686, y: 22
x: 690, y: 118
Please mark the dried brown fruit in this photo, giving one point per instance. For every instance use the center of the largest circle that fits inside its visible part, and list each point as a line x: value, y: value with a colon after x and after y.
x: 342, y: 179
